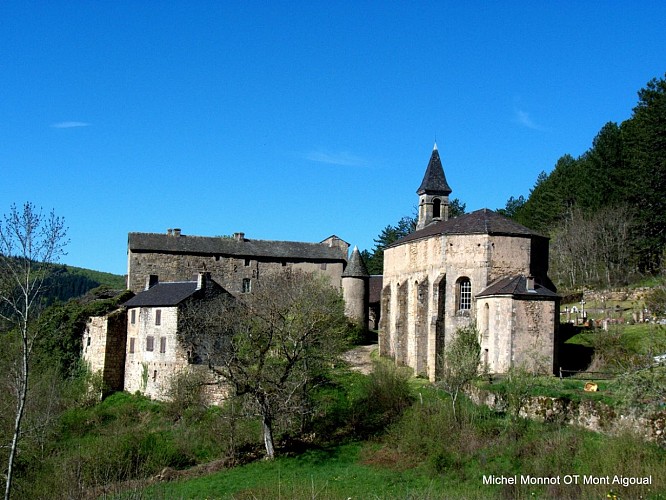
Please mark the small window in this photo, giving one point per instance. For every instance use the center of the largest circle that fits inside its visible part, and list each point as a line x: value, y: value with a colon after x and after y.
x: 154, y: 375
x: 158, y: 317
x: 464, y: 294
x: 323, y: 266
x: 88, y: 342
x: 150, y: 343
x: 247, y: 262
x: 131, y: 346
x: 162, y: 344
x: 133, y: 316
x: 436, y: 208
x: 247, y: 285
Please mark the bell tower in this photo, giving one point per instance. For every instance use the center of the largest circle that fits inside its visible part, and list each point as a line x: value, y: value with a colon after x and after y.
x: 433, y: 193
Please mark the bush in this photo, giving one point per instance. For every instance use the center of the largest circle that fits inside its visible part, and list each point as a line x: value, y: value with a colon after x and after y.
x: 385, y: 394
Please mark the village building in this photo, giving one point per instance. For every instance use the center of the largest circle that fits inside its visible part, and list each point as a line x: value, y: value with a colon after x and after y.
x: 476, y: 269
x: 141, y: 351
x: 234, y: 262
x: 153, y: 353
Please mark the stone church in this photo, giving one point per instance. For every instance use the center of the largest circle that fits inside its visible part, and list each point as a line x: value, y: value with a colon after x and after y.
x: 479, y: 268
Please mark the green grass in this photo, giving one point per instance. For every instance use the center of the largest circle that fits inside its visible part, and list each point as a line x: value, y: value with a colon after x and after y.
x: 327, y: 473
x: 428, y: 454
x: 639, y: 338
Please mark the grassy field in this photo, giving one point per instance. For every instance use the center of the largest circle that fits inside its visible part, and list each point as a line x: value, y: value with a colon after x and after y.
x: 426, y: 455
x: 380, y: 436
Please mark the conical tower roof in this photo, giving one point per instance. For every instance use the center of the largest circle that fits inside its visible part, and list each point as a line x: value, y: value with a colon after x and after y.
x: 434, y: 180
x: 355, y: 267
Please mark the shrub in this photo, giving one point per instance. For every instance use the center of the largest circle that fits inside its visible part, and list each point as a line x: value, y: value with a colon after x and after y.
x: 385, y: 394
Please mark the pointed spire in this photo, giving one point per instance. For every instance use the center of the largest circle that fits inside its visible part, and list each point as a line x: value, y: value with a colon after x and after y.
x: 434, y: 180
x: 355, y: 267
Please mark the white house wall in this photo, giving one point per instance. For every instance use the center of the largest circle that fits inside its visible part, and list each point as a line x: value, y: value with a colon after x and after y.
x: 150, y: 372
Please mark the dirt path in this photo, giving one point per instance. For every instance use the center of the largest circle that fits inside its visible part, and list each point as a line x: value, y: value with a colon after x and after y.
x: 359, y: 358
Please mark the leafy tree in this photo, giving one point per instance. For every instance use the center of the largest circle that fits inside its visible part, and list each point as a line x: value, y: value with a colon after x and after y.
x: 513, y: 205
x: 459, y: 363
x: 27, y: 238
x: 456, y: 208
x: 270, y: 346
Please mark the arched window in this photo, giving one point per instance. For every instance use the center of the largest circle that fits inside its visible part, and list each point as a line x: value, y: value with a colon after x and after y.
x: 436, y: 208
x: 464, y: 294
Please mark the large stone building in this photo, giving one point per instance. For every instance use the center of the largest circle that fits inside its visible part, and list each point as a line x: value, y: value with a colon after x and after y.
x: 138, y: 348
x: 234, y: 262
x: 479, y: 268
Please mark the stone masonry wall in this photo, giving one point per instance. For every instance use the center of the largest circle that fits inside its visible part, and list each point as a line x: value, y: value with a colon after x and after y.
x: 416, y: 325
x: 104, y: 348
x: 591, y: 415
x: 229, y: 272
x: 150, y: 371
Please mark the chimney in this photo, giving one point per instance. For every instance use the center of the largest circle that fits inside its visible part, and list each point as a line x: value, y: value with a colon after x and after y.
x: 169, y: 231
x: 201, y: 280
x: 530, y: 284
x: 151, y: 281
x: 176, y: 232
x: 239, y: 236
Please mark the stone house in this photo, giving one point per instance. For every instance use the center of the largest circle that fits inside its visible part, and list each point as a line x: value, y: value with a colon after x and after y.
x: 479, y: 268
x: 153, y: 354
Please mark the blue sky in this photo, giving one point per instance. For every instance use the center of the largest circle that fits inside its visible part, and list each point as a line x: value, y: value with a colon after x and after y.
x: 298, y: 120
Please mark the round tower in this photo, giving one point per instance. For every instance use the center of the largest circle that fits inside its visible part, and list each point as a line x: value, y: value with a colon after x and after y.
x: 355, y: 288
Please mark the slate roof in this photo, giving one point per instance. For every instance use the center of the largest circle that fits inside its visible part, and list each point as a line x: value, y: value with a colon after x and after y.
x: 169, y: 293
x: 517, y: 286
x: 483, y: 221
x: 434, y: 180
x: 355, y: 267
x: 206, y: 245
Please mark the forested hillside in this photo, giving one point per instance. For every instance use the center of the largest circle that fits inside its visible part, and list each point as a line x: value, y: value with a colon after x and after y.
x: 605, y: 211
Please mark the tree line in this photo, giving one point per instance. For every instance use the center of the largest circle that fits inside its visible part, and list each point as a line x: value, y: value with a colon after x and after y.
x: 605, y: 211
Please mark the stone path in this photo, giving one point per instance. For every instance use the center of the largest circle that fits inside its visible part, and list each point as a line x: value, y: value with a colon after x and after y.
x: 359, y: 358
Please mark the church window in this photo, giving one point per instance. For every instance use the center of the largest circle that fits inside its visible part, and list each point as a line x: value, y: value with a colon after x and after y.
x: 150, y: 343
x: 436, y: 208
x: 158, y: 317
x: 247, y: 285
x: 464, y: 294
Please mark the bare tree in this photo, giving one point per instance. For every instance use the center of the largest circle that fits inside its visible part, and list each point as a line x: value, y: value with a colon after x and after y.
x: 269, y: 345
x: 27, y: 240
x: 459, y: 363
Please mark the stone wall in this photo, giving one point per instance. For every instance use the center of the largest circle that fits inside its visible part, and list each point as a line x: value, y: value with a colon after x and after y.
x: 591, y: 415
x: 229, y: 272
x: 150, y: 364
x: 104, y: 348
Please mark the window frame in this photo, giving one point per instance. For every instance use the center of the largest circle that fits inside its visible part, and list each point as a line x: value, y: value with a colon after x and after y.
x: 463, y: 295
